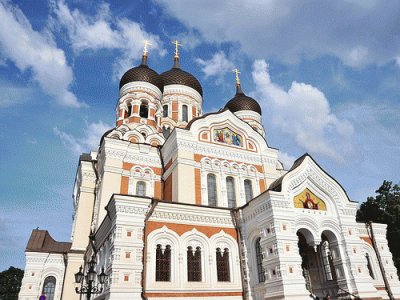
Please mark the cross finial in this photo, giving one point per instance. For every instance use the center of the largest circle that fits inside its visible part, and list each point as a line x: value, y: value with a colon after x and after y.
x: 236, y: 71
x: 145, y: 50
x: 177, y: 44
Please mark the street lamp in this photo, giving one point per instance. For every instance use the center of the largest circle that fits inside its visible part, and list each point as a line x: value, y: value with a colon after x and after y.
x: 88, y: 288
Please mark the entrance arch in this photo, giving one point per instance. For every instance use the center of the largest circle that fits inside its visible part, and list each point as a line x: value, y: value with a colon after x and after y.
x: 318, y: 262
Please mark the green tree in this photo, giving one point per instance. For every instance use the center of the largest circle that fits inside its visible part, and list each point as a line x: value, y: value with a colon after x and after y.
x: 10, y: 283
x: 385, y: 208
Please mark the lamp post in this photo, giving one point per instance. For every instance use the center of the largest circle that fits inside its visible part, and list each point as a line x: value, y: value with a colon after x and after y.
x: 88, y: 288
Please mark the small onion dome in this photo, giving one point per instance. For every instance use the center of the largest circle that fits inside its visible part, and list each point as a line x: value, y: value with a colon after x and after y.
x: 242, y: 102
x: 142, y: 73
x: 177, y: 76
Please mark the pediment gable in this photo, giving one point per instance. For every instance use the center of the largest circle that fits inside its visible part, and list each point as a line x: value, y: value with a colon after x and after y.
x: 225, y: 129
x: 307, y: 186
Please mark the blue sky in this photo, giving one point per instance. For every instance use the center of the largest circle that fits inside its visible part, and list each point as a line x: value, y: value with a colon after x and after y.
x: 326, y: 73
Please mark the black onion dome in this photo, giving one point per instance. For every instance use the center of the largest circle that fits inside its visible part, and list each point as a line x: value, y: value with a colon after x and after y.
x: 242, y: 102
x: 177, y: 76
x: 142, y: 73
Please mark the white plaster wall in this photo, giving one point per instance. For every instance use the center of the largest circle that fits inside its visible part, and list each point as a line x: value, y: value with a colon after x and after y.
x: 38, y: 267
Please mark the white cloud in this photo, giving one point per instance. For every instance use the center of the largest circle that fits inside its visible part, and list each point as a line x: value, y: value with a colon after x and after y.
x: 189, y: 40
x: 104, y: 31
x: 36, y: 51
x: 358, y: 32
x: 286, y: 159
x: 218, y: 66
x: 303, y: 112
x: 88, y: 142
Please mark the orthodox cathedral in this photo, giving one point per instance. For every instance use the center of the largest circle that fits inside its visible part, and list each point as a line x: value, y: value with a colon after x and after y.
x: 177, y: 203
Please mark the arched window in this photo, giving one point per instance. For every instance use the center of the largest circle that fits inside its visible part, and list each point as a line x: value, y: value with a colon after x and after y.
x: 128, y: 112
x: 259, y: 259
x: 165, y: 111
x: 166, y: 131
x: 144, y: 110
x: 223, y: 273
x: 230, y: 191
x: 184, y: 113
x: 212, y: 190
x: 194, y: 264
x: 141, y: 188
x: 248, y: 189
x: 163, y: 263
x: 49, y: 287
x: 369, y: 266
x: 327, y: 261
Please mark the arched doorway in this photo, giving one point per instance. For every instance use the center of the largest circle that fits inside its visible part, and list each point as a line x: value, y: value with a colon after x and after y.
x: 318, y: 263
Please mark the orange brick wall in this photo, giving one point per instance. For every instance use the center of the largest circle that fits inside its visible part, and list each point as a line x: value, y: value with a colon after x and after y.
x: 175, y: 111
x: 200, y: 294
x: 180, y: 229
x: 262, y: 185
x: 168, y: 189
x: 367, y: 239
x: 157, y: 190
x: 124, y: 185
x: 197, y: 186
x: 193, y: 112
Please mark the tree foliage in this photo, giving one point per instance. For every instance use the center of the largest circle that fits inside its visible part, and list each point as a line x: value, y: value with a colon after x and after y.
x: 385, y: 208
x: 10, y: 283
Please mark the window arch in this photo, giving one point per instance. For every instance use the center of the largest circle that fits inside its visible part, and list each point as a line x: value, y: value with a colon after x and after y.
x: 369, y: 266
x: 327, y: 261
x: 248, y: 189
x: 184, y: 113
x: 194, y: 264
x: 49, y: 287
x: 144, y: 110
x: 230, y: 191
x: 141, y: 188
x: 223, y: 271
x: 212, y: 189
x: 165, y: 111
x: 259, y: 259
x: 128, y: 112
x: 163, y: 263
x: 166, y: 131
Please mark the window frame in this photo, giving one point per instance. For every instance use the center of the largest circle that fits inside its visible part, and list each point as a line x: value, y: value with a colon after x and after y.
x: 144, y: 104
x: 231, y: 192
x: 194, y: 264
x: 163, y: 273
x: 144, y: 185
x: 185, y: 113
x: 53, y: 291
x: 165, y: 108
x: 248, y: 187
x: 223, y: 265
x: 259, y: 259
x: 214, y: 190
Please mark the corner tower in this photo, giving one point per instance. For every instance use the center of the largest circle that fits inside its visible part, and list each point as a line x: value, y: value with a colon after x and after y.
x: 182, y: 97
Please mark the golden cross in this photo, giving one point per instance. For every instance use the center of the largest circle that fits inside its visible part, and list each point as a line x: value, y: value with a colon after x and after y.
x: 146, y: 43
x: 236, y: 71
x: 177, y: 44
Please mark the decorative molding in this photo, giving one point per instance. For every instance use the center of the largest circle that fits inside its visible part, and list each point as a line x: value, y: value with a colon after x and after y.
x: 181, y: 216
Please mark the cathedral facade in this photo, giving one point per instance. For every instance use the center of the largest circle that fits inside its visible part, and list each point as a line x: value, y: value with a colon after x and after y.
x: 177, y: 203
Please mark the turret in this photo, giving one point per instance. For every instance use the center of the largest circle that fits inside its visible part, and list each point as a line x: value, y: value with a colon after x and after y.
x: 182, y: 97
x: 245, y: 107
x: 140, y: 94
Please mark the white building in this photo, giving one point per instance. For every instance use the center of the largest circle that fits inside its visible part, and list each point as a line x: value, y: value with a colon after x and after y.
x: 192, y: 206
